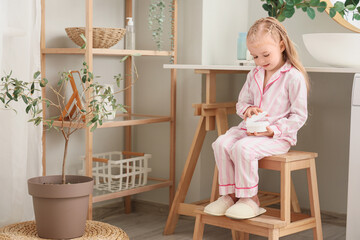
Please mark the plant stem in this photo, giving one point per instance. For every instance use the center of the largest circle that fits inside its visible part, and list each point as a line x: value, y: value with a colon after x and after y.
x: 64, y: 160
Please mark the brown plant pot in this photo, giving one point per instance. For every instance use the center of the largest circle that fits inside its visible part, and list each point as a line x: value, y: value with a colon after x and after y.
x: 60, y: 209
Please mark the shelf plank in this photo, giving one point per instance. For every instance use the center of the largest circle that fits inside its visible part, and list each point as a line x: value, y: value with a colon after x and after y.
x: 106, y: 52
x: 108, y: 196
x: 146, y: 119
x: 62, y: 51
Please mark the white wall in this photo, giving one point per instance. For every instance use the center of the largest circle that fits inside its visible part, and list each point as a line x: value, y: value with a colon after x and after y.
x: 155, y: 138
x: 222, y: 21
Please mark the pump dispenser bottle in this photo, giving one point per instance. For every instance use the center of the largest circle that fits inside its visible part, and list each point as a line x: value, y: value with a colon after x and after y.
x: 130, y: 34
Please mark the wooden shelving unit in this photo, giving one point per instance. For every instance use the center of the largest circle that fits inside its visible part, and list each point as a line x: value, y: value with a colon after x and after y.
x: 122, y: 120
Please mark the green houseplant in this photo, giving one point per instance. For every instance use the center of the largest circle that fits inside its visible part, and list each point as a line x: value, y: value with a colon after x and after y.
x: 69, y: 193
x: 282, y: 9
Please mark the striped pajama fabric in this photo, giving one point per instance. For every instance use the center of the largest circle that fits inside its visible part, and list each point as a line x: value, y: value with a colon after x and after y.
x: 237, y: 155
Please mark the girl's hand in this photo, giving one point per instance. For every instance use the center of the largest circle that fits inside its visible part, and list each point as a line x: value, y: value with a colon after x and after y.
x: 251, y: 111
x: 268, y: 133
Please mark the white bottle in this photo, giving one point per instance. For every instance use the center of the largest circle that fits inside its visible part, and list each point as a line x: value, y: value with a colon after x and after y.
x: 130, y: 34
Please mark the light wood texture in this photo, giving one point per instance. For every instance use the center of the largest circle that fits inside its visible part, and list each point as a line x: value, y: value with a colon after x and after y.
x: 285, y: 192
x: 124, y: 120
x: 107, y: 52
x: 199, y: 228
x: 147, y: 119
x: 147, y: 222
x: 128, y: 96
x: 88, y: 95
x: 186, y: 176
x: 133, y: 191
x: 277, y: 223
x: 314, y: 199
x: 173, y: 104
x: 234, y: 69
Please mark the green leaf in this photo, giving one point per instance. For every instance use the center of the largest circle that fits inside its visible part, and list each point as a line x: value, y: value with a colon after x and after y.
x: 83, y: 79
x: 28, y: 108
x: 311, y: 13
x: 322, y: 6
x: 332, y: 12
x: 93, y: 127
x: 350, y: 7
x: 290, y: 2
x: 314, y: 3
x: 95, y: 118
x: 353, y: 2
x: 2, y: 99
x: 304, y: 9
x: 356, y: 16
x: 43, y: 82
x: 9, y: 96
x: 124, y: 58
x: 36, y: 74
x: 339, y: 6
x: 91, y: 75
x: 47, y: 103
x: 289, y: 13
x: 24, y: 99
x: 83, y: 38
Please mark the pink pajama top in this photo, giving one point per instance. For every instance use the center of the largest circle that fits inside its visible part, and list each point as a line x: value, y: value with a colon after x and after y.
x: 284, y: 98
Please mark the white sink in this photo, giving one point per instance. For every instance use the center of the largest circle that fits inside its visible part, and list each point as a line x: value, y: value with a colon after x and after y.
x: 334, y: 49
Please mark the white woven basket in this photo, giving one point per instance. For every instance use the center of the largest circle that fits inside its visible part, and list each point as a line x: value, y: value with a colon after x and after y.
x: 118, y: 173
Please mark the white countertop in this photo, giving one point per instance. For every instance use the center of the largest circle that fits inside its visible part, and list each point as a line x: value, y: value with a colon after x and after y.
x: 248, y: 68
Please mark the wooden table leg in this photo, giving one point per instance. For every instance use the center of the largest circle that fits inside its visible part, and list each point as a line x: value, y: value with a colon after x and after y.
x: 186, y: 176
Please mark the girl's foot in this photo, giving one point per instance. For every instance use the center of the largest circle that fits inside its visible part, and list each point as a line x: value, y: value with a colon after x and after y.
x: 219, y: 207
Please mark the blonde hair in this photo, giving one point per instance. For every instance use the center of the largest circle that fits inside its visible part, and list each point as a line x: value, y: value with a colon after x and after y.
x: 270, y: 25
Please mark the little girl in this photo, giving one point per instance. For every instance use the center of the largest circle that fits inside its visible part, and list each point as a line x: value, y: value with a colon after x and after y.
x: 278, y: 85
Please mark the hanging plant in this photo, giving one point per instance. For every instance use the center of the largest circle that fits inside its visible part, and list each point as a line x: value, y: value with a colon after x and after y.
x: 172, y: 36
x: 156, y: 21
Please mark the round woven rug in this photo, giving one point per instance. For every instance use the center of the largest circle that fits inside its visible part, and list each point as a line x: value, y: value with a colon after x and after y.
x: 94, y: 230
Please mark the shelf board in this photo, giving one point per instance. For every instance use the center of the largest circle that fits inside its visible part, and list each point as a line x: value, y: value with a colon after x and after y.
x: 106, y: 52
x: 121, y: 120
x: 99, y: 196
x: 239, y: 69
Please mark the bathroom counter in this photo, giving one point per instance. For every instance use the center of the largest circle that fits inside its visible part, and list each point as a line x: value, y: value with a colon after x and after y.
x: 248, y: 68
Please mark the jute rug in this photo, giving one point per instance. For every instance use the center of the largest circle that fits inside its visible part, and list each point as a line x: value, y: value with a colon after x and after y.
x: 94, y: 230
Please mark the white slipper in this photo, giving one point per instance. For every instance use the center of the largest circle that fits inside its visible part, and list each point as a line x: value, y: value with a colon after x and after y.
x: 243, y: 209
x: 219, y: 207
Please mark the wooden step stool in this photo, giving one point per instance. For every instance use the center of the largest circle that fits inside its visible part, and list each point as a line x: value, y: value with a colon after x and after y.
x: 275, y: 223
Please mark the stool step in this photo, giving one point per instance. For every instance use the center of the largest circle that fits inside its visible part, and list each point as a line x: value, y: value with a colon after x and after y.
x: 259, y: 225
x: 265, y: 221
x: 291, y: 156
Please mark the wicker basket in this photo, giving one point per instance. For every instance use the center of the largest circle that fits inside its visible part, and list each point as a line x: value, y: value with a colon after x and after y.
x: 102, y: 37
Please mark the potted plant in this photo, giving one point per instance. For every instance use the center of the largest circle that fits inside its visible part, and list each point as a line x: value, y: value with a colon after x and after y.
x: 61, y: 201
x: 282, y: 9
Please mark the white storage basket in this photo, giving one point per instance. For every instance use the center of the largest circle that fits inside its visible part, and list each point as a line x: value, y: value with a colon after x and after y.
x: 113, y: 172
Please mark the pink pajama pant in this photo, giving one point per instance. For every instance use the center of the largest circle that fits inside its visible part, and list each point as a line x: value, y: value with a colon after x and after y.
x: 237, y: 155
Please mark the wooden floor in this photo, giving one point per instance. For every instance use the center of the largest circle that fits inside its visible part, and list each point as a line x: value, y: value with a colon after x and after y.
x: 148, y: 224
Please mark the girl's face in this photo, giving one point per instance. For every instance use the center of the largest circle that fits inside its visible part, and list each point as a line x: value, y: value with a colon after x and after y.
x: 267, y: 52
